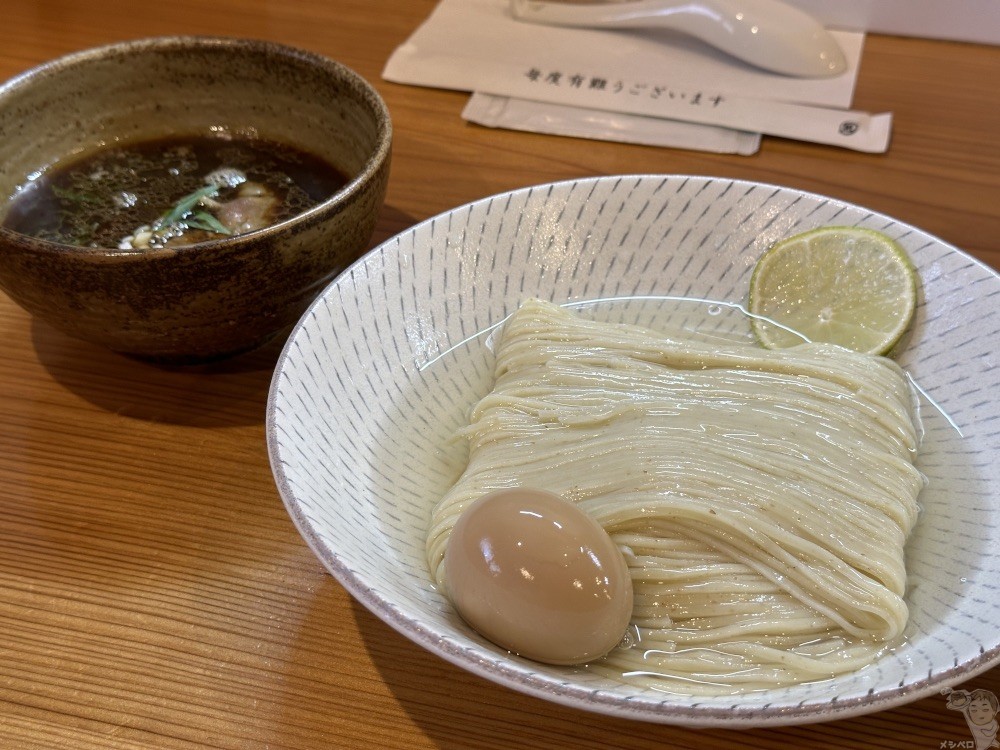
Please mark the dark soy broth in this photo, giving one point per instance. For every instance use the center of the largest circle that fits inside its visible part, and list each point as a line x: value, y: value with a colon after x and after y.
x: 114, y: 197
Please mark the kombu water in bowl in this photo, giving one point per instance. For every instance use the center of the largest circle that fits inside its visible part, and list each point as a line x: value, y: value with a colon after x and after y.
x: 458, y: 373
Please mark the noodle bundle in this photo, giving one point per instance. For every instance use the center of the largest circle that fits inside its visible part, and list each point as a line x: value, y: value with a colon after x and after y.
x: 762, y: 499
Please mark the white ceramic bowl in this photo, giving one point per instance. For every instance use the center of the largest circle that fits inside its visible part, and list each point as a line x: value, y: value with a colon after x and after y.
x: 382, y: 368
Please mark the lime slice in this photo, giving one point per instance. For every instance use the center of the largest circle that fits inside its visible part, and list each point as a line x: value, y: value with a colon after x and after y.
x: 839, y: 285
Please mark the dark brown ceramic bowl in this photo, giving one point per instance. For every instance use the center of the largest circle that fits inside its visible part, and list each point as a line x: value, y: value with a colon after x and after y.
x: 212, y: 299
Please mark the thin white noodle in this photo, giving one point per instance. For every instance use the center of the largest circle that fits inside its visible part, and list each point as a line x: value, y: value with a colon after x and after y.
x: 762, y: 498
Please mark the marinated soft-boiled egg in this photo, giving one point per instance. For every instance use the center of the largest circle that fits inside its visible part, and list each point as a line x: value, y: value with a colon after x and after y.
x: 536, y: 575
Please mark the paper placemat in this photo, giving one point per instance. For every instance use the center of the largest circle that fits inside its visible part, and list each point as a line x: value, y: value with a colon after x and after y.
x: 477, y: 46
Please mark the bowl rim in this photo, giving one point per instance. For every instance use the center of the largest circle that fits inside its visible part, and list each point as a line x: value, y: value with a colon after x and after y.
x: 734, y: 716
x: 376, y: 160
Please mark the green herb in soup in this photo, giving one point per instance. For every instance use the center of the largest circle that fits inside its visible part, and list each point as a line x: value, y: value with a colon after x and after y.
x: 171, y: 192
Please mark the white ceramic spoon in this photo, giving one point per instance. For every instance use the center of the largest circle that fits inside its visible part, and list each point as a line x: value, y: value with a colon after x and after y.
x: 767, y: 33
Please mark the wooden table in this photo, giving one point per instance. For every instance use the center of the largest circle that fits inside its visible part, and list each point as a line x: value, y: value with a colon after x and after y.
x: 153, y: 591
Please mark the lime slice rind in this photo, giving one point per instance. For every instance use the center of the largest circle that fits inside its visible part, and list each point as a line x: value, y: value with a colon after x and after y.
x: 849, y: 286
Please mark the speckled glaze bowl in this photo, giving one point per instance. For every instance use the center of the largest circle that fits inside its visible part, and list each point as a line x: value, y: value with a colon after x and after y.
x: 212, y: 299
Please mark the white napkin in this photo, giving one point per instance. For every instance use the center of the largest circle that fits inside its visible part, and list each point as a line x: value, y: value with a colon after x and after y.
x: 475, y: 45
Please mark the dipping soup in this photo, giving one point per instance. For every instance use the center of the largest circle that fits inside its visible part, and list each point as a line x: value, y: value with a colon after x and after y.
x: 170, y: 192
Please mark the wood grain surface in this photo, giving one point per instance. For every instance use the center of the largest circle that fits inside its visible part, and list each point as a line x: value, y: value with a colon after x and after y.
x: 153, y: 591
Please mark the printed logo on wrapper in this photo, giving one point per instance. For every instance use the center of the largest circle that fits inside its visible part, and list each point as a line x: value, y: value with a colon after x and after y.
x: 980, y: 708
